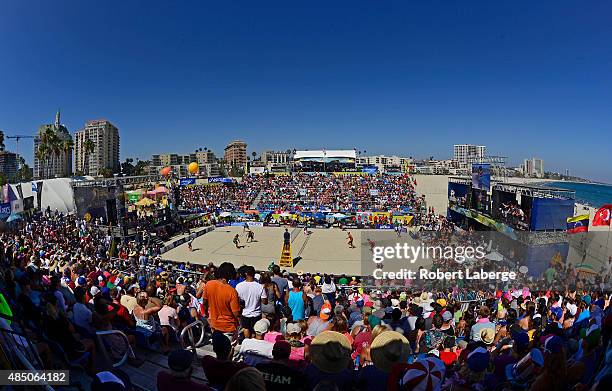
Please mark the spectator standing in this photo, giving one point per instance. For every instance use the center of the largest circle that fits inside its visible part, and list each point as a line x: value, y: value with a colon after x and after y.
x: 253, y: 294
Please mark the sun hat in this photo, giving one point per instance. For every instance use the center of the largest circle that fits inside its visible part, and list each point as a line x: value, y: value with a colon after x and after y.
x: 478, y: 360
x: 442, y: 302
x: 423, y: 375
x: 94, y: 290
x: 389, y: 348
x: 395, y: 303
x: 330, y: 352
x: 261, y: 326
x: 487, y: 335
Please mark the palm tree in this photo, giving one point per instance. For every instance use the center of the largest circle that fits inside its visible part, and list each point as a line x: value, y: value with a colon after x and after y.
x: 48, y: 148
x: 88, y: 148
x: 254, y: 154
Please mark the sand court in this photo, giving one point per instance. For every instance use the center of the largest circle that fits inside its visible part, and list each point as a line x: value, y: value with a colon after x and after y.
x: 324, y: 250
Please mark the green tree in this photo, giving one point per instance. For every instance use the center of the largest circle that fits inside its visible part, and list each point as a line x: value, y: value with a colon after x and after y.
x: 24, y: 173
x: 141, y: 167
x: 88, y: 148
x: 3, y: 179
x: 106, y: 172
x: 127, y: 167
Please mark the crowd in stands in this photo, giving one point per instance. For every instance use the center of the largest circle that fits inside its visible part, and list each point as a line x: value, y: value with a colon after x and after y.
x: 306, y: 192
x: 272, y: 330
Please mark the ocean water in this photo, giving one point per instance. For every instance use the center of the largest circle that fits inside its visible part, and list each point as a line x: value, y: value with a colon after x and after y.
x: 586, y: 193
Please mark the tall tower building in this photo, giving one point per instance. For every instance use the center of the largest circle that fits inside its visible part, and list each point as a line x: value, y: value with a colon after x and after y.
x: 53, y: 151
x: 235, y: 153
x: 464, y: 153
x: 97, y: 148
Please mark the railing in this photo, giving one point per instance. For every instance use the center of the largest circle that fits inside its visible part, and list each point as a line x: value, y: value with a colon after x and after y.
x: 188, y: 332
x: 128, y: 351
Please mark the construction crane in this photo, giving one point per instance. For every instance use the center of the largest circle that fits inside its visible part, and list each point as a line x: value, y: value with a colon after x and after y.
x: 17, y: 138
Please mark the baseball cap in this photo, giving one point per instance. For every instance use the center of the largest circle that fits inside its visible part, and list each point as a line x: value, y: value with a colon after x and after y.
x: 261, y: 326
x: 81, y: 281
x: 325, y: 311
x: 94, y: 290
x: 293, y: 328
x: 447, y: 316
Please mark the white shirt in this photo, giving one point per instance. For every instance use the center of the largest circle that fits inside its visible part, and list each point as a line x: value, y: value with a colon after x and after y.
x: 167, y: 316
x: 257, y: 346
x: 251, y: 292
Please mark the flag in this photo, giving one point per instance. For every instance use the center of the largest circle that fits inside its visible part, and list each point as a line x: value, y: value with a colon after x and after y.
x: 602, y: 216
x: 577, y: 224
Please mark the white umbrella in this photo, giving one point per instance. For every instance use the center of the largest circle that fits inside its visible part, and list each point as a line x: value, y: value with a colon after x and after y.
x: 494, y: 256
x: 225, y: 214
x: 338, y: 216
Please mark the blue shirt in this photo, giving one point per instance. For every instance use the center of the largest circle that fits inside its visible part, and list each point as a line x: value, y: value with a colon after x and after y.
x: 296, y: 303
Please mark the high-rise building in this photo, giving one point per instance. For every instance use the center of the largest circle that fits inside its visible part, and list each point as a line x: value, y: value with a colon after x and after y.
x: 385, y: 163
x: 97, y: 147
x: 9, y: 163
x: 468, y: 153
x: 235, y: 153
x: 533, y: 167
x: 53, y: 151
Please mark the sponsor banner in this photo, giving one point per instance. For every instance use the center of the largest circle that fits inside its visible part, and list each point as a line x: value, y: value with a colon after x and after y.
x: 219, y: 179
x: 17, y: 206
x: 370, y: 170
x: 5, y: 210
x: 187, y: 181
x: 250, y: 223
x: 222, y: 225
x: 384, y: 226
x: 257, y: 170
x: 272, y: 225
x: 350, y: 226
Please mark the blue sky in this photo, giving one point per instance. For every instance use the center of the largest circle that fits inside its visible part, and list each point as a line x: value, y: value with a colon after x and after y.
x: 397, y: 77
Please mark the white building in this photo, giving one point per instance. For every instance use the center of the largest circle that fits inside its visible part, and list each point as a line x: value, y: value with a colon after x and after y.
x: 104, y: 137
x: 533, y: 167
x: 464, y: 154
x: 385, y: 163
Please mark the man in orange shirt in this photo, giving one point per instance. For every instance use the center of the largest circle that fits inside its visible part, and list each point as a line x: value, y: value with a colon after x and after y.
x: 222, y: 302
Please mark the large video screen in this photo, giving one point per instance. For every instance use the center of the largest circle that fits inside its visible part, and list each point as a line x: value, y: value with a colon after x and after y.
x: 481, y: 176
x: 458, y: 193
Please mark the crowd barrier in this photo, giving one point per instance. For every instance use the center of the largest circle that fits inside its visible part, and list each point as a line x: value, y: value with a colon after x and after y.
x: 185, y: 239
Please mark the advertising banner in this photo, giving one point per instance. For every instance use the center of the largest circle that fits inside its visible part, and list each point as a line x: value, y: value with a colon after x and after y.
x: 5, y: 210
x: 219, y: 179
x: 187, y: 181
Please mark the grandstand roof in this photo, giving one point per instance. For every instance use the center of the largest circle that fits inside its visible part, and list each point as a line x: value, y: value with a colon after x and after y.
x: 326, y: 154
